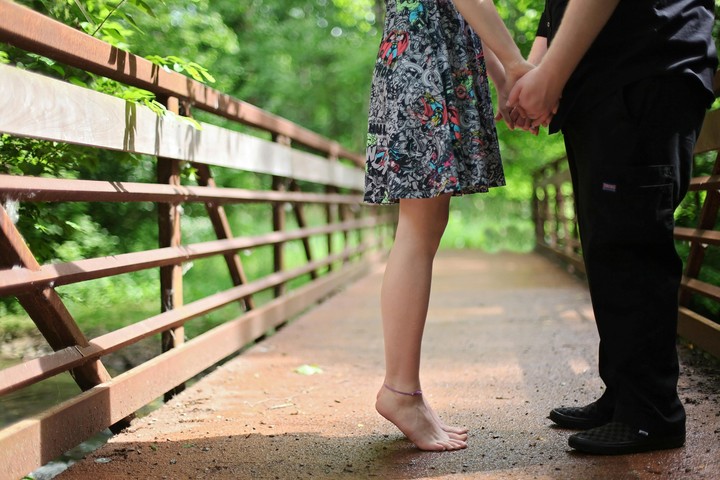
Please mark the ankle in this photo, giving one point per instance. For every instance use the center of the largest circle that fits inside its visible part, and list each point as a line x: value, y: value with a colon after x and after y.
x: 411, y: 393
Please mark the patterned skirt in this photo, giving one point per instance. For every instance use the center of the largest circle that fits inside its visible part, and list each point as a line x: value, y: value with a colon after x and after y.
x: 431, y: 125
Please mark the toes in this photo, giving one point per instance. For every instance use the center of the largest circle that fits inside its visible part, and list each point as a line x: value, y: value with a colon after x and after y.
x: 457, y: 430
x: 454, y: 445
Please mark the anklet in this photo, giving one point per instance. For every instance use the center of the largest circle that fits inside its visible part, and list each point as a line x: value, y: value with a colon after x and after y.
x: 409, y: 394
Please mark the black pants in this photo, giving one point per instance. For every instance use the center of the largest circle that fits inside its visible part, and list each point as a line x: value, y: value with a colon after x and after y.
x: 631, y: 159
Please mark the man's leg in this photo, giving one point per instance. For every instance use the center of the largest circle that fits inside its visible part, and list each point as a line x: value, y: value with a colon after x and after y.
x: 633, y: 156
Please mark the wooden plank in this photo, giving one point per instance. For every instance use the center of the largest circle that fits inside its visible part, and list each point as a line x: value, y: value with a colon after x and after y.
x: 39, y: 189
x: 13, y: 281
x: 302, y: 223
x: 48, y: 109
x: 711, y: 182
x: 221, y: 225
x: 171, y: 276
x: 702, y: 332
x: 709, y: 138
x: 278, y: 221
x: 32, y: 443
x: 29, y: 30
x: 709, y: 237
x: 703, y: 288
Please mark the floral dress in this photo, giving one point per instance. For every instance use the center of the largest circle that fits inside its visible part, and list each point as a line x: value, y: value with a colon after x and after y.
x: 431, y: 125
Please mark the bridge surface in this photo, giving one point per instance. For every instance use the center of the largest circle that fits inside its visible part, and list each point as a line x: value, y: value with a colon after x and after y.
x: 509, y: 337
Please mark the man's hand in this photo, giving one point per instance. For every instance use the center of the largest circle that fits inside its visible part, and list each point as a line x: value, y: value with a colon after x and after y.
x: 535, y: 97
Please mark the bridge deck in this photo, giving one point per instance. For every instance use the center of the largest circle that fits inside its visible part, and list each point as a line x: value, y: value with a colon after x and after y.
x: 509, y: 337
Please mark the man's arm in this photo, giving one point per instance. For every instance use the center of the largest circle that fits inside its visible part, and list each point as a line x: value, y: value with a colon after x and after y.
x: 537, y: 94
x: 538, y: 50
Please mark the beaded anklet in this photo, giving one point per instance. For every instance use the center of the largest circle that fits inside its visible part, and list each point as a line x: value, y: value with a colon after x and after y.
x: 409, y: 394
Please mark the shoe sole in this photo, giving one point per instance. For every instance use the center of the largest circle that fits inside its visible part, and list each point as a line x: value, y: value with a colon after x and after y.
x: 575, y: 423
x: 591, y: 447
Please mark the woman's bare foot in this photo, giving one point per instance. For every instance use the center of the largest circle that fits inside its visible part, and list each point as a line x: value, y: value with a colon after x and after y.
x: 417, y: 421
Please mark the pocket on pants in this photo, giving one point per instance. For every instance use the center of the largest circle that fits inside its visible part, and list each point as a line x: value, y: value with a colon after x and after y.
x: 636, y: 203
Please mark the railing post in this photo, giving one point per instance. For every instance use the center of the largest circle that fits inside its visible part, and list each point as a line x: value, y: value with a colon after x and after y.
x: 221, y: 225
x: 707, y: 220
x: 331, y: 211
x: 169, y: 235
x: 279, y: 184
x: 302, y: 223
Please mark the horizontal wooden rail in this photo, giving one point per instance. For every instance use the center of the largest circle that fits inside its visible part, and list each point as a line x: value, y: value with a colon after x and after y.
x: 68, y: 113
x: 34, y: 189
x: 703, y: 288
x: 704, y: 332
x: 710, y: 237
x: 705, y: 183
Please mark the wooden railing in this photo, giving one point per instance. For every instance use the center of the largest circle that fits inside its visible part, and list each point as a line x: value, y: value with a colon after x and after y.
x: 43, y: 108
x: 557, y: 234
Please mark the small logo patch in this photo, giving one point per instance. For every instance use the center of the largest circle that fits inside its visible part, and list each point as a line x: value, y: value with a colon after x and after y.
x: 643, y: 433
x: 609, y: 187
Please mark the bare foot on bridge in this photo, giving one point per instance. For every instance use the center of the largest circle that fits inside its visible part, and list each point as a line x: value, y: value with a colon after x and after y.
x: 420, y: 424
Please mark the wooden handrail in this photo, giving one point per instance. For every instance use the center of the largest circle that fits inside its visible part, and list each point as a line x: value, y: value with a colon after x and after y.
x: 37, y: 189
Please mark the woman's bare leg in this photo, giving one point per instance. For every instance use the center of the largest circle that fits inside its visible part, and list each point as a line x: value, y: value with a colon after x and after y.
x: 404, y: 302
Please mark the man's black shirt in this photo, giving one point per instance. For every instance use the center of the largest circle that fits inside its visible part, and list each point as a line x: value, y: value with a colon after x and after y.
x: 642, y: 38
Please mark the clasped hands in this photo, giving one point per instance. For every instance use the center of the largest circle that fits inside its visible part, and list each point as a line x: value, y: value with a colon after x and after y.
x: 529, y: 100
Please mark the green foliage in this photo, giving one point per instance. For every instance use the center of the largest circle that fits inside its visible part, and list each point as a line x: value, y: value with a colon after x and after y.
x: 193, y: 69
x: 521, y: 18
x: 111, y: 21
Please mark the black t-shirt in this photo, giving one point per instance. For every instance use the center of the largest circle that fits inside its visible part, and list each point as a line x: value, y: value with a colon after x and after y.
x: 642, y: 38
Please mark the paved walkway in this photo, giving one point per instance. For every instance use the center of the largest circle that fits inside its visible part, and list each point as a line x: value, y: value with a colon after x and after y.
x: 509, y: 337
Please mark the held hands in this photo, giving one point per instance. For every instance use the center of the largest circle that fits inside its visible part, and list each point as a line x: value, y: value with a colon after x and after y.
x: 504, y: 85
x: 533, y: 100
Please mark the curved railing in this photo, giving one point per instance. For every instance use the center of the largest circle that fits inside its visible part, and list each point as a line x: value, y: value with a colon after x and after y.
x: 322, y: 178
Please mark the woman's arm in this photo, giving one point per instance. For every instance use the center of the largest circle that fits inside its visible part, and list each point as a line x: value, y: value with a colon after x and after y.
x: 497, y: 75
x: 485, y: 20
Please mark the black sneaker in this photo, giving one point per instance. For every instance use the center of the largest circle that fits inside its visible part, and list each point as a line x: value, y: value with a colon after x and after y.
x: 581, y: 418
x: 617, y: 438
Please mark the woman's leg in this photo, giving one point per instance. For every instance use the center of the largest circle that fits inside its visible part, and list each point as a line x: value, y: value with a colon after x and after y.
x: 404, y: 302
